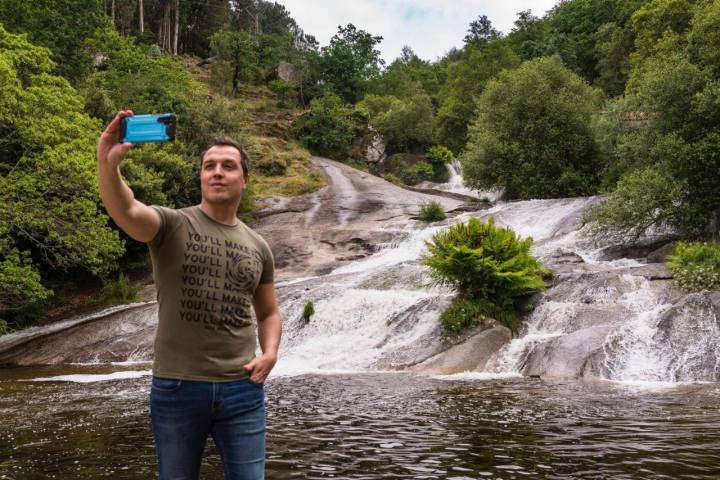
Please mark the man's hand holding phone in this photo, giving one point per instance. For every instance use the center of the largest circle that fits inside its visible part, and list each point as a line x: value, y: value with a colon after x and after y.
x: 110, y: 151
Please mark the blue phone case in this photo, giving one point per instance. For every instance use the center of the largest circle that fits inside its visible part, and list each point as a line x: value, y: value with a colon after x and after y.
x: 148, y: 128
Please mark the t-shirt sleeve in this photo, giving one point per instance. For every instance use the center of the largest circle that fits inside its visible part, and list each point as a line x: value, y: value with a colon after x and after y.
x: 169, y: 221
x: 268, y: 273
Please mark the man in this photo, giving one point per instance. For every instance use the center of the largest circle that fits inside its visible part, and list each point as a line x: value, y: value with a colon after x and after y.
x: 209, y: 269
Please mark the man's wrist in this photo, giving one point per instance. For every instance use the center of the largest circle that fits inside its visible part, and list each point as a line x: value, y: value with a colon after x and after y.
x: 270, y: 355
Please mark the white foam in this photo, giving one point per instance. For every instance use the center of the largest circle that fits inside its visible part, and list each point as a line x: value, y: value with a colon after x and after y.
x: 90, y: 378
x: 479, y: 376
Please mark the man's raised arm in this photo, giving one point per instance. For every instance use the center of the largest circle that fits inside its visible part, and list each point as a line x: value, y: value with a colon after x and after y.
x: 133, y: 217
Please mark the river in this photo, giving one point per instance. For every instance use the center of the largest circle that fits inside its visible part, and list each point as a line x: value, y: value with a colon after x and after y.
x: 375, y: 426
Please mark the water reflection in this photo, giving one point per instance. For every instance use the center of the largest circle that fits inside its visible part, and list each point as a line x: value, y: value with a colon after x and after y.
x: 377, y: 426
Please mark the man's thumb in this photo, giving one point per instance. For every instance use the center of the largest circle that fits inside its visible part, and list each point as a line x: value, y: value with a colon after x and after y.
x: 249, y: 367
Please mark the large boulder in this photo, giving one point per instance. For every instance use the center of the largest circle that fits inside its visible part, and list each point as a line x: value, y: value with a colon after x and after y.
x: 471, y: 355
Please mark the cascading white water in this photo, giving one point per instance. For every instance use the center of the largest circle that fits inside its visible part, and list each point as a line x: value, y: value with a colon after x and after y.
x: 356, y: 304
x: 456, y: 184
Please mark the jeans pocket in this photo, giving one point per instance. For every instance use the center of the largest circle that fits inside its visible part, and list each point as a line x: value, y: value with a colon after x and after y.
x: 166, y: 385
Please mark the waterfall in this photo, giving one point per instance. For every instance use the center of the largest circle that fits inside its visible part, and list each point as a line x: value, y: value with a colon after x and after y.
x: 456, y: 184
x: 618, y: 320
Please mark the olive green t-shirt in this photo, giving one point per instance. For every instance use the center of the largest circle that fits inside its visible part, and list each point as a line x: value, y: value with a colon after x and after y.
x: 206, y: 274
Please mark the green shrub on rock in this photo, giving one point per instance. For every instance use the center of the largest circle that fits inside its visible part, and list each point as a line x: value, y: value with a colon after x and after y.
x: 439, y: 154
x: 308, y: 311
x: 490, y: 267
x: 696, y: 266
x: 431, y: 212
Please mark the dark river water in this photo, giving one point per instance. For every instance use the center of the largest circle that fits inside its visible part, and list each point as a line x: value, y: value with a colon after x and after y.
x: 378, y: 426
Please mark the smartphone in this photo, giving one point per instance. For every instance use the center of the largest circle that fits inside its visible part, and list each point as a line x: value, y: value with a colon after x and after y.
x: 148, y: 128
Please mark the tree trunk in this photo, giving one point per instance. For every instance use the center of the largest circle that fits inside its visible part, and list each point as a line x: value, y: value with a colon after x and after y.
x: 142, y: 16
x: 112, y: 12
x: 177, y: 27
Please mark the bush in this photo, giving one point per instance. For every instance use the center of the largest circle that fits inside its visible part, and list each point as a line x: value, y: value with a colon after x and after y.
x: 464, y: 314
x: 439, y: 154
x: 431, y: 212
x: 119, y: 291
x: 696, y: 266
x: 416, y: 173
x: 409, y: 125
x: 4, y: 327
x: 487, y: 265
x: 643, y: 200
x: 394, y: 179
x: 308, y: 311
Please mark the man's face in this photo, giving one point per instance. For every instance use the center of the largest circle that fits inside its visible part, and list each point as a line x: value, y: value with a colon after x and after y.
x: 222, y: 179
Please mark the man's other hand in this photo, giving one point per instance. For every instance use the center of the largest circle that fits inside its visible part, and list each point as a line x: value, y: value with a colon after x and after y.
x: 259, y: 367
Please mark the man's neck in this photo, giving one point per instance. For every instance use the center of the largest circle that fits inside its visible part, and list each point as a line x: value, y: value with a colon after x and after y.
x: 221, y: 213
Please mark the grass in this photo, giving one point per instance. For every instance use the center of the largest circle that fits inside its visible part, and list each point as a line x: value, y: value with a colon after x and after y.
x: 279, y: 165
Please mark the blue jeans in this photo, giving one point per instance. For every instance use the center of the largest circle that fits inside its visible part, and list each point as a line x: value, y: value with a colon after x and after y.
x: 184, y: 412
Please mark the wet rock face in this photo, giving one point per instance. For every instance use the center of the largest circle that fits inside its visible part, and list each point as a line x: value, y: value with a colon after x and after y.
x: 687, y: 334
x: 471, y: 355
x: 117, y: 337
x: 344, y: 222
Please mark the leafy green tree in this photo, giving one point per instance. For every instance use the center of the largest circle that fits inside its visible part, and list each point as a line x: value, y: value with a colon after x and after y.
x: 491, y: 269
x: 481, y: 31
x: 465, y: 80
x: 651, y: 22
x: 408, y: 126
x: 328, y: 127
x: 237, y: 58
x: 673, y: 89
x: 407, y: 76
x: 350, y: 62
x: 532, y: 135
x: 63, y: 26
x: 613, y: 45
x: 50, y: 220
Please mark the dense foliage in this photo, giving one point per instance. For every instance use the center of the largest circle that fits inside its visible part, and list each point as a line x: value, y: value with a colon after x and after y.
x: 49, y: 215
x: 328, y: 127
x: 665, y: 129
x: 696, y: 266
x: 489, y: 266
x: 532, y: 135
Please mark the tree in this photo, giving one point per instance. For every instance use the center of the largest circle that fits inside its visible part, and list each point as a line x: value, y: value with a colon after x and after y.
x: 481, y: 31
x: 408, y: 75
x: 63, y: 26
x: 237, y: 59
x: 465, y: 80
x: 350, y: 62
x: 532, y: 134
x: 674, y: 88
x: 408, y: 126
x: 327, y: 128
x: 50, y: 218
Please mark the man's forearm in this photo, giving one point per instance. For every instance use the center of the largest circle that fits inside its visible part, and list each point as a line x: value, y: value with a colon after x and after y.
x: 269, y: 332
x: 115, y: 194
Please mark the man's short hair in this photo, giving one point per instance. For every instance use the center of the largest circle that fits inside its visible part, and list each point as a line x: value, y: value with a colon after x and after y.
x: 227, y: 141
